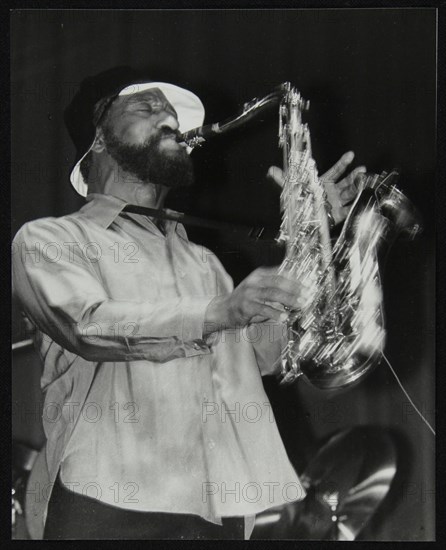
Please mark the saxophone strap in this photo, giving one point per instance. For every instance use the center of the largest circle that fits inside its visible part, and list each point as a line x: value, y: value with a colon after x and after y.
x: 233, y: 231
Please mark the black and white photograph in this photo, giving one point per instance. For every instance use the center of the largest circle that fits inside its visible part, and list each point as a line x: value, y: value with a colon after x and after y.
x: 223, y: 273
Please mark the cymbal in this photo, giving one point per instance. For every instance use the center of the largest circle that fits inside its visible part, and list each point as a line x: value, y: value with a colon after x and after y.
x: 345, y: 482
x: 23, y: 457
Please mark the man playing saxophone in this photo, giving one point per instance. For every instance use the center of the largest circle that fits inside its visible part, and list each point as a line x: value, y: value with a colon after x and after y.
x: 152, y: 360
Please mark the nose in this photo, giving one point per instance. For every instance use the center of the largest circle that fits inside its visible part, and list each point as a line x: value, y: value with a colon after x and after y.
x: 168, y: 119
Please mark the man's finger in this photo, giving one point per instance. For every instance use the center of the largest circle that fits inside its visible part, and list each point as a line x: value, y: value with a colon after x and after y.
x: 342, y: 213
x: 352, y: 180
x: 359, y: 176
x: 270, y: 313
x: 339, y: 168
x: 347, y: 195
x: 273, y: 296
x: 276, y: 174
x: 262, y: 272
x: 281, y: 318
x: 281, y: 283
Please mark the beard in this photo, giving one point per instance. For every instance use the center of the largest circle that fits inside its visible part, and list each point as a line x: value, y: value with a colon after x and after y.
x: 150, y: 162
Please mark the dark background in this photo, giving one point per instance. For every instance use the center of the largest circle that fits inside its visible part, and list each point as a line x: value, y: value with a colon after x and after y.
x: 370, y: 75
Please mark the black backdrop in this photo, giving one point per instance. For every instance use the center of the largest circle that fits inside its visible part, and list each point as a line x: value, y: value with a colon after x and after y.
x: 370, y: 75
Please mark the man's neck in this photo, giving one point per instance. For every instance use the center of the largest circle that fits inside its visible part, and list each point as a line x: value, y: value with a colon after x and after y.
x: 141, y: 194
x: 128, y: 188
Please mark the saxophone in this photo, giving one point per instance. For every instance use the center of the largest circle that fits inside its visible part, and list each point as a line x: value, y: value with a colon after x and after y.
x: 338, y: 335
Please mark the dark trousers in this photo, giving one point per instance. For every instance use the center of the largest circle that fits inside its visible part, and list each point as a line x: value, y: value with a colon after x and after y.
x: 74, y: 516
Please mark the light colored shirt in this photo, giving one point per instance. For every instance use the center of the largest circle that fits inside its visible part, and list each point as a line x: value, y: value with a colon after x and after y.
x: 142, y: 411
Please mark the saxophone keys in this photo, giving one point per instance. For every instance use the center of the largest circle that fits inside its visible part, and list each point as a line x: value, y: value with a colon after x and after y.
x: 281, y: 238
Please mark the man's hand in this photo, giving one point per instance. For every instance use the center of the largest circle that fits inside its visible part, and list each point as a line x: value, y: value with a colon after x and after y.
x: 262, y: 296
x: 339, y: 193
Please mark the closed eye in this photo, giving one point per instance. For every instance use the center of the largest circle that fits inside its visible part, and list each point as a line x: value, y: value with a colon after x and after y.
x: 156, y: 107
x: 144, y: 107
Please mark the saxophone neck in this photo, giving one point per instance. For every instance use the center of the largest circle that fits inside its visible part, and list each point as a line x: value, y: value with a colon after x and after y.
x: 251, y: 110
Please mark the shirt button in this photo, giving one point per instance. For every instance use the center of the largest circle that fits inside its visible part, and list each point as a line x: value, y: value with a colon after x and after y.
x: 211, y: 444
x: 196, y: 346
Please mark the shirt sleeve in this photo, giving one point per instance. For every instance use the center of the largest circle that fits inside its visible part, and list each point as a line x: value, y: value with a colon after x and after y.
x: 267, y: 339
x: 63, y: 296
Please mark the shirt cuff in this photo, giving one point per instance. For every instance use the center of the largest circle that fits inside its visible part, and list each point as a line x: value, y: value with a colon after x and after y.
x: 194, y: 310
x: 268, y: 340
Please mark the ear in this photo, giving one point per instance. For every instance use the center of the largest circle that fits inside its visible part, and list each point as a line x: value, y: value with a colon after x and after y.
x: 99, y: 143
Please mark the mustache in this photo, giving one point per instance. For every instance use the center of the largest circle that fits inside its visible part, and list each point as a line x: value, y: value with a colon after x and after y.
x: 168, y: 133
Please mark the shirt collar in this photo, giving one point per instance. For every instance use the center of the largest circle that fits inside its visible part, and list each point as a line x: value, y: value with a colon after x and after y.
x: 104, y: 209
